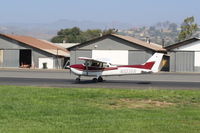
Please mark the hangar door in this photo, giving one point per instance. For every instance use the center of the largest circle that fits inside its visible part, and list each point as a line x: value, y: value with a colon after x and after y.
x: 10, y: 58
x: 184, y: 61
x: 118, y: 57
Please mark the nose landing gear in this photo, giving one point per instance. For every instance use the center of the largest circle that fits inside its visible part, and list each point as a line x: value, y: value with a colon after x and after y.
x: 78, y: 79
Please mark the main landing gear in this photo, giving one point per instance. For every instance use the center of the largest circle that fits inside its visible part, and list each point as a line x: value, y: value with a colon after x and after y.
x: 99, y: 79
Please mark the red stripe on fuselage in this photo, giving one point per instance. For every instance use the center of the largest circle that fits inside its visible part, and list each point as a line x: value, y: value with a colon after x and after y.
x: 147, y: 65
x: 81, y: 67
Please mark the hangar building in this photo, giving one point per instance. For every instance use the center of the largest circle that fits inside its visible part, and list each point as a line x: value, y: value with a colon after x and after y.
x: 25, y: 52
x: 117, y: 49
x: 185, y: 56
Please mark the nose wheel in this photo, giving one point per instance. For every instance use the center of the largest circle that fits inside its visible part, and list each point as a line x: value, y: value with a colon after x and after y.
x: 78, y: 79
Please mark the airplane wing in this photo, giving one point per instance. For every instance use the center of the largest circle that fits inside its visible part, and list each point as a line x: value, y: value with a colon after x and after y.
x: 91, y: 59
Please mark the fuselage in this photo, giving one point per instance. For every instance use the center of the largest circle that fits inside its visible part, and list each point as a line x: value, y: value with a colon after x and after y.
x: 82, y: 70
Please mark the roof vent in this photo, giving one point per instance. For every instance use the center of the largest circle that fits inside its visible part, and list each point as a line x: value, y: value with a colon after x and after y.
x: 148, y: 40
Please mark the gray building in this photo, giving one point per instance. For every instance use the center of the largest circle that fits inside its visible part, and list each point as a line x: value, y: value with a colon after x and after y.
x: 185, y: 56
x: 118, y: 49
x: 25, y: 52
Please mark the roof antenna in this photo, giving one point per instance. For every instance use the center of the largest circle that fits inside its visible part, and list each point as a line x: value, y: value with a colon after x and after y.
x: 148, y: 40
x: 163, y: 43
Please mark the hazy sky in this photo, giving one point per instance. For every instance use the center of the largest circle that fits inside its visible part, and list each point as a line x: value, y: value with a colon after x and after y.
x: 136, y: 12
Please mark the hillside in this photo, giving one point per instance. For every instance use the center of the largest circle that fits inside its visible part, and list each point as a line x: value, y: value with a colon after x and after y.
x: 163, y: 33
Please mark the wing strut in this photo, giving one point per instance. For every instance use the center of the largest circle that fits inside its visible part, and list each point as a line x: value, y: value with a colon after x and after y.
x: 86, y: 67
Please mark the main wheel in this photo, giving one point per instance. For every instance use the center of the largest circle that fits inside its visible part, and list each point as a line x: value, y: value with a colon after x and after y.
x: 94, y: 80
x: 100, y: 79
x: 78, y: 80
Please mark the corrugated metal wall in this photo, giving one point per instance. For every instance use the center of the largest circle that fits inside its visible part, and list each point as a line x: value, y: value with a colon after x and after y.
x: 111, y: 43
x: 182, y: 61
x: 138, y: 57
x: 10, y: 58
x: 79, y: 53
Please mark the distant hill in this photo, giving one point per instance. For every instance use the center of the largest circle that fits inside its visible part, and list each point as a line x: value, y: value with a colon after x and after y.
x: 48, y: 30
x: 163, y: 33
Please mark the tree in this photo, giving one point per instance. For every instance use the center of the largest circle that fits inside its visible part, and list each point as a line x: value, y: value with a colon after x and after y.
x: 188, y: 28
x: 72, y: 35
x: 91, y: 34
x: 109, y: 31
x: 75, y: 35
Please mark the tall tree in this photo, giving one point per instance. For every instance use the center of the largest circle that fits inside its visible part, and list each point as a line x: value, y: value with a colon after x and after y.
x: 91, y: 34
x: 109, y: 31
x: 188, y: 28
x: 75, y: 35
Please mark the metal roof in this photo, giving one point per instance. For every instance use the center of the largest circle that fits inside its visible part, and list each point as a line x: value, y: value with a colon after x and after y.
x: 179, y: 44
x: 132, y: 40
x: 153, y: 46
x: 39, y: 44
x: 67, y: 45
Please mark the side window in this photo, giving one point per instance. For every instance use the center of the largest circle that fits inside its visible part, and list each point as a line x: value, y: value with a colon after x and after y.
x: 96, y: 64
x: 105, y: 65
x: 100, y: 65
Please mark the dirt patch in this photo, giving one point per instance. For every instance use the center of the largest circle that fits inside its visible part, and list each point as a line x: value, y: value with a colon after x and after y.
x: 133, y: 103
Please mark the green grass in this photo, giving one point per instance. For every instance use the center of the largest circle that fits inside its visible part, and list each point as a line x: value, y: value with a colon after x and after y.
x: 74, y: 110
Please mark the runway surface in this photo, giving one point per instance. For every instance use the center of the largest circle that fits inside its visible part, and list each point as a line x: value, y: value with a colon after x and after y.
x: 62, y: 78
x: 70, y: 83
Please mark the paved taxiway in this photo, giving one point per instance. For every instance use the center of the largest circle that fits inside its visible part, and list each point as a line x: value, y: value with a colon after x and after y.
x: 63, y: 78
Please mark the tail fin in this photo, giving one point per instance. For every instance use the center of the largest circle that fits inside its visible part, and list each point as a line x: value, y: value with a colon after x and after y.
x: 157, y: 59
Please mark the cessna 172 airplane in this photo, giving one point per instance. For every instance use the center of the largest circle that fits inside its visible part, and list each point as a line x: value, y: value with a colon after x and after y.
x: 98, y: 68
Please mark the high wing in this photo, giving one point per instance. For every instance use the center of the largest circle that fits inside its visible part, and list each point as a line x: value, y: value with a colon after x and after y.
x: 91, y: 59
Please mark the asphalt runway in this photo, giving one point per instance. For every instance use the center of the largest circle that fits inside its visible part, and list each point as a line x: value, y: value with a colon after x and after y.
x: 62, y: 78
x: 70, y: 83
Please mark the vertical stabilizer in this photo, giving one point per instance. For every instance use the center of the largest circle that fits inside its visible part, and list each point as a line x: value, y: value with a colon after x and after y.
x: 157, y: 59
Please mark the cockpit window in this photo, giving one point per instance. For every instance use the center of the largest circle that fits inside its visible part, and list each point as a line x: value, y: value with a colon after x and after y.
x: 105, y: 65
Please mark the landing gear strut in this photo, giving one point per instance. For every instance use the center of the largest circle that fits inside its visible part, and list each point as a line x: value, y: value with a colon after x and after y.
x: 78, y: 79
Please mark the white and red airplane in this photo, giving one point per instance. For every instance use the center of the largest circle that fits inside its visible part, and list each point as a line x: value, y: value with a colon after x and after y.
x: 97, y: 68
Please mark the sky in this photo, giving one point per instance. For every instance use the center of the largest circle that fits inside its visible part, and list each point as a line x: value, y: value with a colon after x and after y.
x: 136, y: 12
